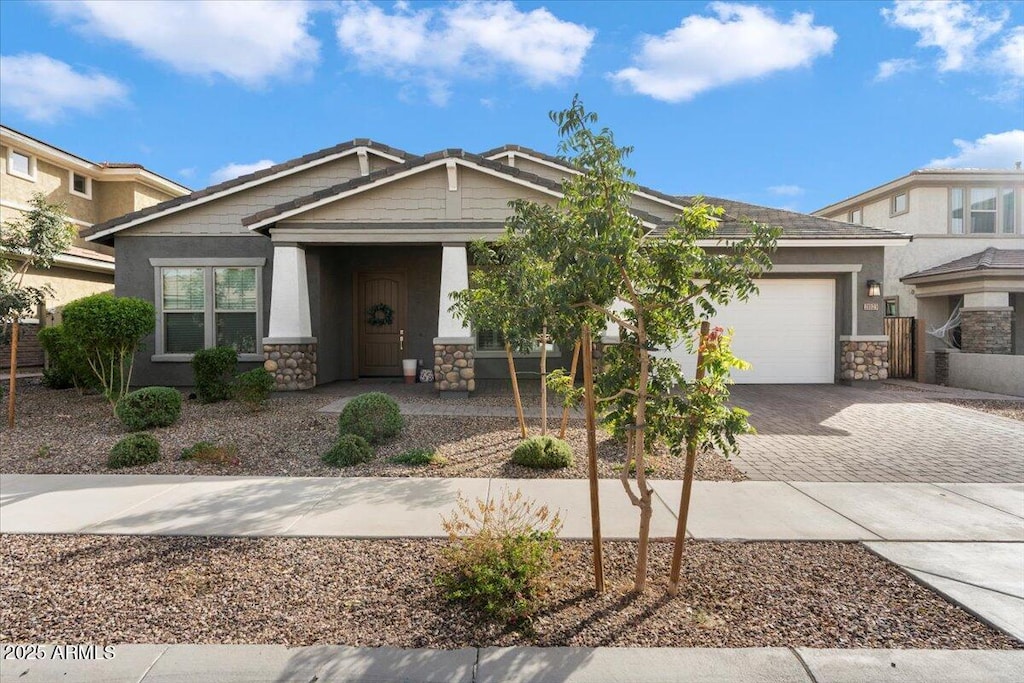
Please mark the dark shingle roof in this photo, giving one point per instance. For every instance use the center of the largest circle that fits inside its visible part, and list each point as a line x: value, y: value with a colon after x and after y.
x: 990, y: 259
x: 241, y: 180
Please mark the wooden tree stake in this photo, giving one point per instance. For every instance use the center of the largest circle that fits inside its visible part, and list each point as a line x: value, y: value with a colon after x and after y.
x: 684, y: 502
x: 572, y: 374
x: 515, y: 390
x: 544, y: 380
x: 14, y: 373
x: 590, y: 407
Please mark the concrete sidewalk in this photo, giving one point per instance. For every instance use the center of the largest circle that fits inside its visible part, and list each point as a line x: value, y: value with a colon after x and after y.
x: 340, y: 664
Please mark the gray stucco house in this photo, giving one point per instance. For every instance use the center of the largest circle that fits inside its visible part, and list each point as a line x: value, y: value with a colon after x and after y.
x: 339, y: 265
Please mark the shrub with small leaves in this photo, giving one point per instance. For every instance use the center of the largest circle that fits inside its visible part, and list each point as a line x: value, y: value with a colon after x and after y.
x: 419, y: 456
x: 134, y: 449
x: 212, y: 372
x: 348, y: 450
x: 374, y: 416
x: 499, y: 556
x: 68, y: 365
x: 205, y: 451
x: 252, y: 388
x: 543, y: 453
x: 149, y: 407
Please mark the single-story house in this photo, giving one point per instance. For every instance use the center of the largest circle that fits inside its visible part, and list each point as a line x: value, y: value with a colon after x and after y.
x: 340, y: 264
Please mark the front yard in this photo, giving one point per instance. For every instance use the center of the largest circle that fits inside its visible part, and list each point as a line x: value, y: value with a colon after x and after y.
x: 59, y: 431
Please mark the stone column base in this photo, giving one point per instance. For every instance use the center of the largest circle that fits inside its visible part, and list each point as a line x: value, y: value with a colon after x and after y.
x: 453, y: 365
x: 293, y: 364
x: 864, y: 359
x: 986, y: 330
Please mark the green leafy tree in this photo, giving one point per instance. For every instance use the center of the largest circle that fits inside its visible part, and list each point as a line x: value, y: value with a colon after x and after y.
x: 110, y: 330
x: 655, y: 283
x: 34, y: 241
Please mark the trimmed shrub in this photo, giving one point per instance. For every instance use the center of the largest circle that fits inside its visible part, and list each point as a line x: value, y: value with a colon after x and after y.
x: 374, y: 416
x: 543, y: 453
x: 204, y: 451
x: 149, y: 407
x: 212, y: 372
x: 134, y: 449
x: 418, y: 456
x: 68, y: 366
x: 348, y: 450
x: 499, y: 556
x: 252, y: 388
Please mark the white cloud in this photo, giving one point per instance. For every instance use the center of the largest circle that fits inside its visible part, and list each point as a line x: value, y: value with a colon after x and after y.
x: 995, y: 150
x: 786, y: 190
x: 234, y: 170
x: 248, y: 42
x: 956, y: 28
x: 891, y: 67
x: 42, y: 88
x: 432, y: 47
x: 740, y: 42
x: 1009, y: 56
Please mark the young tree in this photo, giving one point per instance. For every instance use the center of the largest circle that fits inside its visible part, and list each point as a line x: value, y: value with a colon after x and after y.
x: 655, y: 283
x: 34, y: 241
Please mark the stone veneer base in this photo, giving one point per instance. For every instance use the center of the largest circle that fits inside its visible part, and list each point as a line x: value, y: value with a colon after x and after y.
x: 986, y: 330
x: 864, y: 360
x: 293, y: 365
x: 453, y: 367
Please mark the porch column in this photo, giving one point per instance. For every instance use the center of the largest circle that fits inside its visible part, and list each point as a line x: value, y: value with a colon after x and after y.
x: 454, y: 345
x: 289, y: 353
x: 986, y: 323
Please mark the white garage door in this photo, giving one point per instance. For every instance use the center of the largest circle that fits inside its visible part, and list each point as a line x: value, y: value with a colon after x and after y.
x: 787, y: 333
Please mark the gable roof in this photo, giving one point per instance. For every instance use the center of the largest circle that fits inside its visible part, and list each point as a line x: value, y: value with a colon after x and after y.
x: 412, y: 166
x: 237, y: 184
x: 988, y: 260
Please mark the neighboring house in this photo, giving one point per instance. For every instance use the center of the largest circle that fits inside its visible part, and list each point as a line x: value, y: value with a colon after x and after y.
x: 341, y: 263
x: 966, y: 258
x: 91, y: 192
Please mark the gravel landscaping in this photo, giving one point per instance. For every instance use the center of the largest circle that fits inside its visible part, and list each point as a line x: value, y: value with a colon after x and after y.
x: 62, y: 432
x: 120, y: 589
x: 1011, y: 409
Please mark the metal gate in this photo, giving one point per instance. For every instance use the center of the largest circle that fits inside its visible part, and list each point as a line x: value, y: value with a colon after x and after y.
x: 901, y: 347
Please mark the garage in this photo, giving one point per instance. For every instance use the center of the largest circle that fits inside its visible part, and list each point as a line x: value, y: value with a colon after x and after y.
x: 786, y: 332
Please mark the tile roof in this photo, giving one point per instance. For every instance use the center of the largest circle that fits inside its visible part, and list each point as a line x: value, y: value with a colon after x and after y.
x: 89, y: 254
x: 241, y: 180
x: 989, y: 259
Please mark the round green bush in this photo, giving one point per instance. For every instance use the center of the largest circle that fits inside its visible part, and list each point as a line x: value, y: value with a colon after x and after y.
x: 374, y: 416
x: 252, y: 388
x: 348, y: 450
x: 134, y: 449
x: 543, y: 453
x: 421, y: 455
x: 149, y: 407
x: 213, y: 371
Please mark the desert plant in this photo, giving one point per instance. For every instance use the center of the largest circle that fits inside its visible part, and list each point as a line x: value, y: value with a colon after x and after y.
x: 348, y: 450
x: 68, y: 366
x: 421, y: 455
x: 543, y: 453
x: 252, y: 388
x: 135, y: 449
x: 212, y: 372
x: 205, y: 451
x: 499, y: 555
x: 149, y: 407
x: 374, y: 416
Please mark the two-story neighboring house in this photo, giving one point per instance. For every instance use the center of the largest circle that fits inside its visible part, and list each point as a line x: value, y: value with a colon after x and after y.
x: 965, y: 265
x: 91, y: 192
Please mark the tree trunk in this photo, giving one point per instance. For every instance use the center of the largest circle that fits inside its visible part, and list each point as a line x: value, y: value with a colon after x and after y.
x: 646, y: 508
x: 544, y: 380
x: 515, y: 390
x: 684, y: 500
x: 572, y: 374
x: 591, y: 409
x: 15, y: 327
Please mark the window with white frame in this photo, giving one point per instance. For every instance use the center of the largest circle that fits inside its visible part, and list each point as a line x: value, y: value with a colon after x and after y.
x: 80, y: 185
x: 857, y: 216
x: 983, y: 211
x: 202, y: 306
x: 900, y: 203
x: 21, y: 164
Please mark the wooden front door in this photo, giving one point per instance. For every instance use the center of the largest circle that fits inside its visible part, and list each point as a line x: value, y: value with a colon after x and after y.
x: 379, y: 343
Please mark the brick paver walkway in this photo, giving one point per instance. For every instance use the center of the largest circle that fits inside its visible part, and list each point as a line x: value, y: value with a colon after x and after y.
x: 839, y: 433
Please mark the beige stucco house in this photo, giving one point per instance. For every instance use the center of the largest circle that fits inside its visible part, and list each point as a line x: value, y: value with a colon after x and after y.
x: 91, y: 192
x: 966, y: 259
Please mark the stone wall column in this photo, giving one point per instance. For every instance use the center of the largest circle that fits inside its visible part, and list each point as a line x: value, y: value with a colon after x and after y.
x: 454, y: 365
x: 986, y: 330
x: 863, y: 358
x: 289, y: 353
x: 455, y: 344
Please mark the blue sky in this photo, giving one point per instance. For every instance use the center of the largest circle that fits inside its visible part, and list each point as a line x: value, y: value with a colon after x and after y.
x: 793, y: 104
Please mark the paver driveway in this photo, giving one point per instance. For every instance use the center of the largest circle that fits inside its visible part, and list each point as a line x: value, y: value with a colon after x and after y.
x: 840, y: 433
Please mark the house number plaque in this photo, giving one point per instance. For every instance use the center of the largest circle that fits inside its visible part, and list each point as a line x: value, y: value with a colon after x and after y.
x: 870, y: 306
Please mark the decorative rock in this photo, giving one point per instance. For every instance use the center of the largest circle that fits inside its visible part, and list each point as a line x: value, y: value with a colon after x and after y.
x: 453, y: 367
x: 867, y: 361
x: 461, y: 363
x: 270, y: 366
x: 294, y: 365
